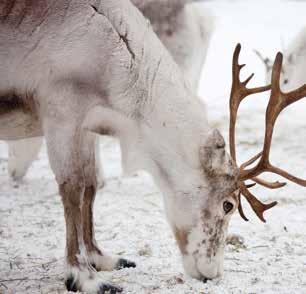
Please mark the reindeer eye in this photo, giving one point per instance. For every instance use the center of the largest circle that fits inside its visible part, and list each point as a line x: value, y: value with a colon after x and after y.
x: 286, y: 81
x: 227, y: 206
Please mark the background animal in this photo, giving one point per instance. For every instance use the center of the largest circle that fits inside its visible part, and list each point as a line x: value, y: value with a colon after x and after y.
x: 294, y: 68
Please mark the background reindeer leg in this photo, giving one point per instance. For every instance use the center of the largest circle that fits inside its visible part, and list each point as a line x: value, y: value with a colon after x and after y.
x: 21, y: 154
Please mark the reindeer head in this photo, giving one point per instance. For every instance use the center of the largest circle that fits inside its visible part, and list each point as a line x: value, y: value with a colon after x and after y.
x: 201, y: 235
x: 293, y: 71
x: 202, y: 240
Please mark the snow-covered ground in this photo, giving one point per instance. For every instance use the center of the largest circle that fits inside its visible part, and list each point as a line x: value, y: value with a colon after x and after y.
x: 129, y: 214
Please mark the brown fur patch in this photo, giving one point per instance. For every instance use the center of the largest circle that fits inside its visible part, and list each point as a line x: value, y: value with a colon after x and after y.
x: 11, y: 103
x: 71, y: 200
x: 105, y: 131
x: 87, y: 220
x: 216, y: 239
x: 181, y: 237
x: 206, y: 215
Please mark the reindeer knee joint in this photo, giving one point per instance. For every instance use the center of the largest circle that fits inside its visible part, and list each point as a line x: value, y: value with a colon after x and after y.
x: 71, y: 192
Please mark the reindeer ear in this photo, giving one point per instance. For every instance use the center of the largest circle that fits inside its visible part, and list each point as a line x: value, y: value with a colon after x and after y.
x: 212, y: 152
x: 214, y: 159
x: 215, y: 140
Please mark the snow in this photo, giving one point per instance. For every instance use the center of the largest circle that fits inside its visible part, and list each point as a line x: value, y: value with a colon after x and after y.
x: 129, y: 213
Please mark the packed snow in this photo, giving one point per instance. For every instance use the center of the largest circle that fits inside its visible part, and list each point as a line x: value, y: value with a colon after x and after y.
x: 129, y: 214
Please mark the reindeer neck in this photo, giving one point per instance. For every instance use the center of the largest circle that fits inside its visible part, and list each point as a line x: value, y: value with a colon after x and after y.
x: 169, y: 121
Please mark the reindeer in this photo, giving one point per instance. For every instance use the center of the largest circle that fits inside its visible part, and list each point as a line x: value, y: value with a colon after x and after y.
x: 97, y: 67
x: 294, y: 73
x: 183, y: 28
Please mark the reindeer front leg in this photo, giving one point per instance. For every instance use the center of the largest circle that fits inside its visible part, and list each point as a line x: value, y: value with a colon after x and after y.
x: 71, y: 154
x: 97, y: 258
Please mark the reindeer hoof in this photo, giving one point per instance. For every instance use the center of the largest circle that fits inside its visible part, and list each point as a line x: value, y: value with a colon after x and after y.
x: 90, y: 285
x: 100, y: 183
x: 107, y: 288
x: 70, y: 284
x: 16, y: 174
x: 124, y: 263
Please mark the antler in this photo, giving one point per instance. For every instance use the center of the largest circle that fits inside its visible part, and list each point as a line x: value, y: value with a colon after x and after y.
x: 278, y: 102
x: 238, y: 93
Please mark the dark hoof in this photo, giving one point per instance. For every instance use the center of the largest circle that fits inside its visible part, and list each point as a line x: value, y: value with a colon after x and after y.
x: 205, y: 280
x: 107, y: 288
x: 124, y: 263
x: 70, y: 284
x: 94, y: 266
x: 103, y: 289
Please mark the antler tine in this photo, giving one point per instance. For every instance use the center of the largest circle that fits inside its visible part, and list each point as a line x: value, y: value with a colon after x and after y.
x: 238, y: 92
x: 278, y: 102
x: 240, y: 209
x: 258, y: 207
x: 250, y: 161
x: 269, y: 185
x: 248, y: 79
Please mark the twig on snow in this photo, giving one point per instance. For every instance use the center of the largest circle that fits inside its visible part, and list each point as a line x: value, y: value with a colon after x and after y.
x: 238, y: 271
x: 259, y: 246
x: 13, y: 280
x: 3, y: 285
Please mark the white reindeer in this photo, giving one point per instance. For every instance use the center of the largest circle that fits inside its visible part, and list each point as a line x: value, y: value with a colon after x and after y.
x: 97, y: 67
x: 183, y: 27
x: 294, y: 68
